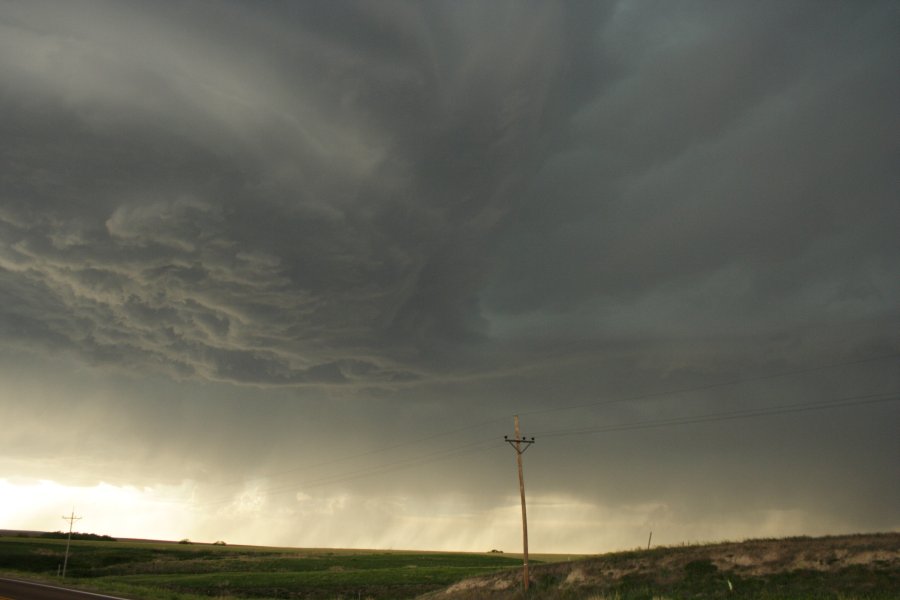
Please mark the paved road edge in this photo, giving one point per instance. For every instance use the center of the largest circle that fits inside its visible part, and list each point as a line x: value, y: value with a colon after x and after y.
x: 56, y: 587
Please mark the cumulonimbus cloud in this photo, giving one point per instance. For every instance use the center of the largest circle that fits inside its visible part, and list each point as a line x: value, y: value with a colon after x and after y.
x: 394, y: 193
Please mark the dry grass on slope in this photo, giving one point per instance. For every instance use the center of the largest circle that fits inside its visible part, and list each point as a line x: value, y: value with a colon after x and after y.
x: 839, y: 567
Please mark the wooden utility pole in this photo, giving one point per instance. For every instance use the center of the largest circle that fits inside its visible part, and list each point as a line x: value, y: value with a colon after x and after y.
x: 520, y: 445
x: 71, y: 519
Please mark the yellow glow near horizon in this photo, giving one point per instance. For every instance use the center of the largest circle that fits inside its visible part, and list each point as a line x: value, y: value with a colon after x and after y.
x: 556, y: 524
x: 105, y: 509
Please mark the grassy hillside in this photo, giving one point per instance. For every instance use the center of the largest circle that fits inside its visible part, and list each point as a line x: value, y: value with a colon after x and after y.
x: 829, y: 568
x: 191, y: 571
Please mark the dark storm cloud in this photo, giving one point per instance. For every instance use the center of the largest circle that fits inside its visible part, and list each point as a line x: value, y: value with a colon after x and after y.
x: 383, y: 193
x: 271, y: 211
x: 737, y: 173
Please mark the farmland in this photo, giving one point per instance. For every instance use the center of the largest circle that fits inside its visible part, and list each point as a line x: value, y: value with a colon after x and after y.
x: 857, y: 567
x: 189, y: 571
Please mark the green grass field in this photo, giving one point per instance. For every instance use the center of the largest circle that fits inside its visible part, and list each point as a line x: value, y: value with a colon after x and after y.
x: 189, y: 571
x: 861, y: 567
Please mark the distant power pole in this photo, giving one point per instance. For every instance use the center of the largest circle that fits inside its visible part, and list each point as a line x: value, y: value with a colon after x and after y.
x: 520, y: 445
x: 71, y: 519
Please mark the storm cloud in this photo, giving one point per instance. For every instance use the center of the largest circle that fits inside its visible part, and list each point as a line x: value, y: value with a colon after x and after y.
x: 450, y: 209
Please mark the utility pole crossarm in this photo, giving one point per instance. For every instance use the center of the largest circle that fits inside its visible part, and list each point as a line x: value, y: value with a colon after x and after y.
x: 517, y: 443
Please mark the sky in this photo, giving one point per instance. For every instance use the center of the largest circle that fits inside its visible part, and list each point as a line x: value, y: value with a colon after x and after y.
x: 282, y: 273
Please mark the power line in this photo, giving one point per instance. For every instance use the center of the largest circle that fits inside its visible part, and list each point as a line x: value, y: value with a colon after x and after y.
x: 634, y: 398
x: 727, y: 416
x: 710, y: 386
x: 488, y: 444
x: 440, y: 455
x: 491, y: 443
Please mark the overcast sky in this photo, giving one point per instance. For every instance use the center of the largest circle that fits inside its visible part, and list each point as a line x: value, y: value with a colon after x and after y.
x: 282, y: 272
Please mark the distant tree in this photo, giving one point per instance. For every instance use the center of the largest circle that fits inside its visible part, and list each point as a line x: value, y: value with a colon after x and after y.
x: 185, y: 541
x: 59, y: 535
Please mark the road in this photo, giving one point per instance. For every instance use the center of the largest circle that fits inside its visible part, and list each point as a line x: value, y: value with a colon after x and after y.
x: 14, y: 589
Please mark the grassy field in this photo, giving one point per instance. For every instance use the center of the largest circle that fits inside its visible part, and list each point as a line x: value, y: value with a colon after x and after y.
x: 175, y: 571
x: 859, y: 567
x: 862, y: 567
